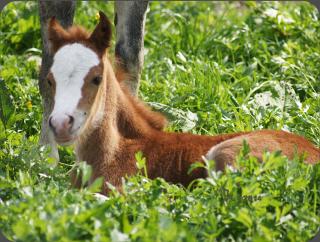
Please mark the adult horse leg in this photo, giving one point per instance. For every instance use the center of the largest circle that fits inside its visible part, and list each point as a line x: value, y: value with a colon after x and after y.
x: 130, y: 21
x: 64, y: 12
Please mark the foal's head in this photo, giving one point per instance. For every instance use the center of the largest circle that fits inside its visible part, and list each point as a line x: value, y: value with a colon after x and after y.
x: 76, y: 76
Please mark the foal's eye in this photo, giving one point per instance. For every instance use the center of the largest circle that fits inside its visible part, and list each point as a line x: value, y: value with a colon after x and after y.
x: 97, y: 80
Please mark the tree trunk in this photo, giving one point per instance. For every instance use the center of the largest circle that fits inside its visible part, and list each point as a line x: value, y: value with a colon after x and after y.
x: 130, y: 21
x: 64, y: 12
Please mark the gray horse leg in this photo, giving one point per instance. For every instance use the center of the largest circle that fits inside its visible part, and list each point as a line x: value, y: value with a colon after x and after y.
x: 64, y: 12
x: 130, y: 21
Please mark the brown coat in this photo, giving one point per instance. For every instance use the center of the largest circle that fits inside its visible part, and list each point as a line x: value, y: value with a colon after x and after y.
x: 128, y: 126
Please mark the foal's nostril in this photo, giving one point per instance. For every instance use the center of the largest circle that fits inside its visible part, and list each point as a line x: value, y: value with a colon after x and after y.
x: 71, y: 120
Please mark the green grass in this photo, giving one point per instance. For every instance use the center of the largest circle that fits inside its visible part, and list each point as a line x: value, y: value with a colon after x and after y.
x: 212, y: 68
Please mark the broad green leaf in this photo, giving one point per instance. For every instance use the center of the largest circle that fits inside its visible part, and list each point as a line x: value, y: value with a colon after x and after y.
x: 187, y: 120
x: 243, y: 216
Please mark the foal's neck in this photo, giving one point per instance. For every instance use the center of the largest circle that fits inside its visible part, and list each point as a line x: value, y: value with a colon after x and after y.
x: 131, y: 120
x: 119, y: 119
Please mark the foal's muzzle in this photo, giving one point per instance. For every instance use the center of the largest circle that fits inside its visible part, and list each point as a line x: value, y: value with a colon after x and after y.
x: 61, y: 126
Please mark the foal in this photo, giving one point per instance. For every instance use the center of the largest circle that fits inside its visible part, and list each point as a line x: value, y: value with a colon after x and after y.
x: 108, y: 126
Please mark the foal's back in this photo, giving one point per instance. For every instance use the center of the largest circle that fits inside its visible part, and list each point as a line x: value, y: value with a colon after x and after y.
x: 170, y: 155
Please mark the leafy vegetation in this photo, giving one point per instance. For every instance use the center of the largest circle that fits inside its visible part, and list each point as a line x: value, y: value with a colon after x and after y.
x: 213, y: 68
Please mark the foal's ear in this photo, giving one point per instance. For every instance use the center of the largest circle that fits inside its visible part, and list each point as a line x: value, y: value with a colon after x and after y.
x: 101, y: 36
x: 57, y: 34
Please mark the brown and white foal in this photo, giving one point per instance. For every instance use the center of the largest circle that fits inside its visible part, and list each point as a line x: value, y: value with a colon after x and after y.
x: 94, y: 111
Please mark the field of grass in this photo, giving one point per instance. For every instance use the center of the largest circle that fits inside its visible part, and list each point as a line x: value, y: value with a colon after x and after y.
x: 212, y: 68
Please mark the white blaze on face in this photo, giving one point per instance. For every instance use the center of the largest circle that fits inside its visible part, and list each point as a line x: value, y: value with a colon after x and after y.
x: 70, y: 65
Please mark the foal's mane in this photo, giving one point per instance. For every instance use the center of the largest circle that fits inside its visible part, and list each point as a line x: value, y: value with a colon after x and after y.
x: 154, y: 119
x: 78, y: 33
x: 61, y: 36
